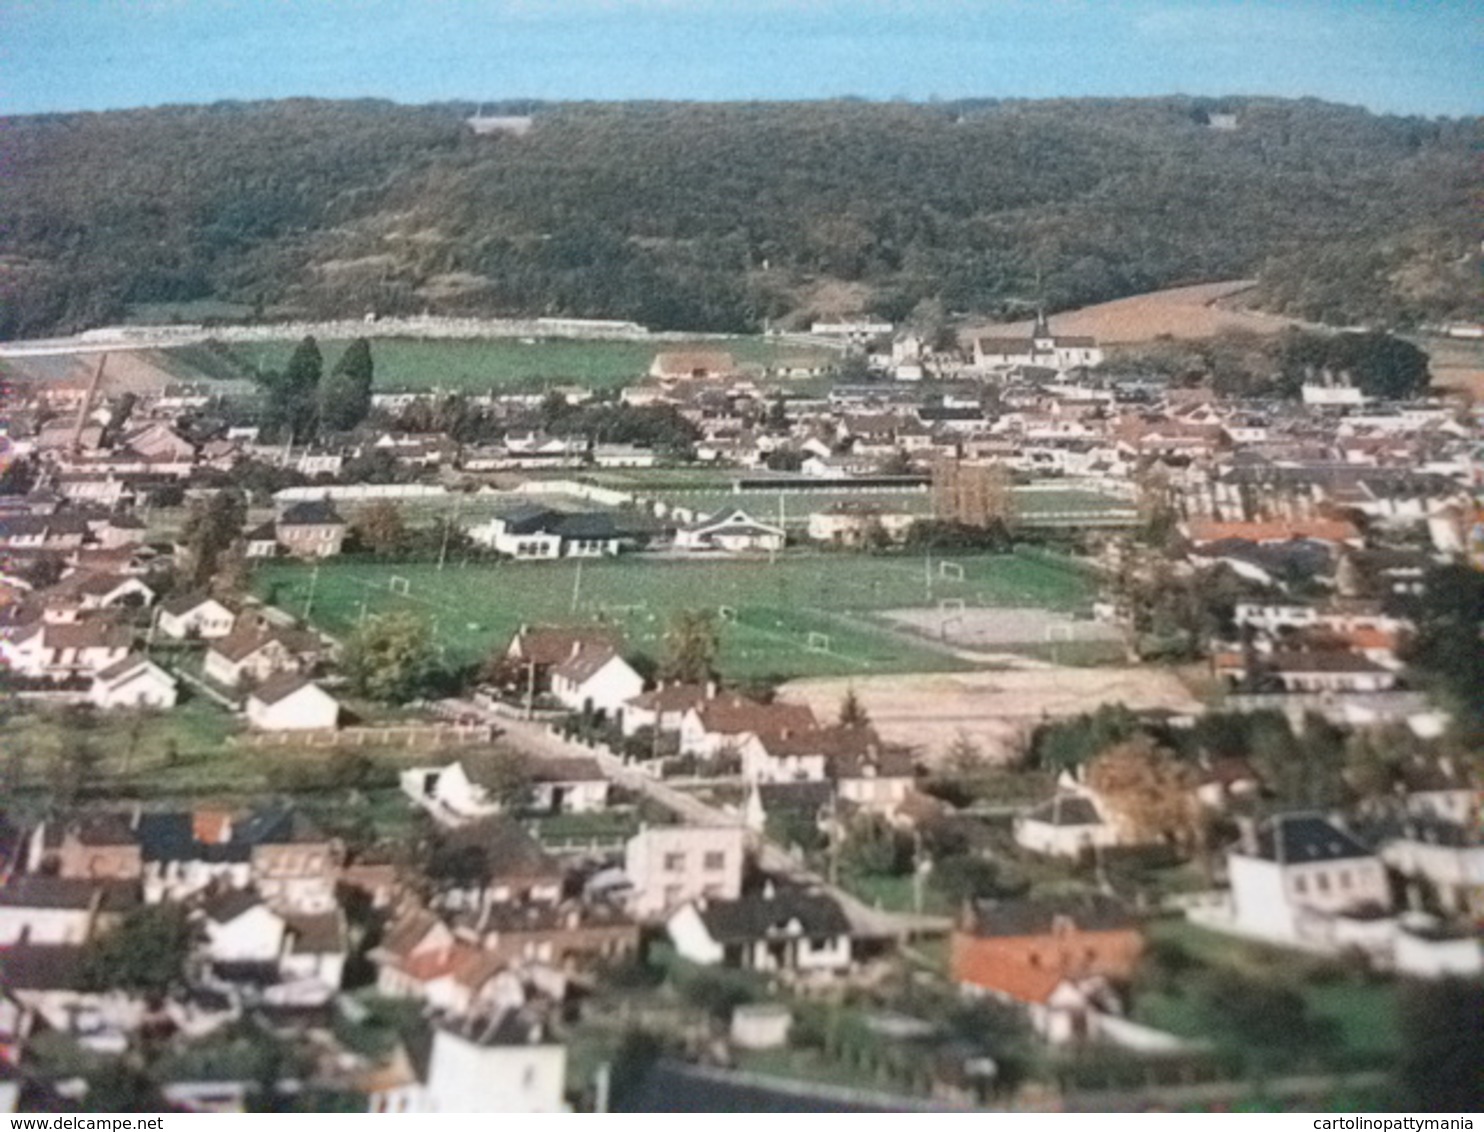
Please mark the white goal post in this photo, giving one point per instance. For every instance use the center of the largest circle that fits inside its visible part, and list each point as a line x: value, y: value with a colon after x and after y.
x: 399, y: 585
x: 818, y: 642
x: 726, y: 612
x: 951, y: 570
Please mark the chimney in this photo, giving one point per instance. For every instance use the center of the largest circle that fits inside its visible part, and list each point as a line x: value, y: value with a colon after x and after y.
x: 711, y: 689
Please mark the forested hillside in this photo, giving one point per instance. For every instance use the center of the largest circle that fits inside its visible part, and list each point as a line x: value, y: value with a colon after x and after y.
x: 718, y: 216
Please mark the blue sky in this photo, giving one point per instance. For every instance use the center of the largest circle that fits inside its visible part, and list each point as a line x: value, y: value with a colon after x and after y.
x: 1405, y: 56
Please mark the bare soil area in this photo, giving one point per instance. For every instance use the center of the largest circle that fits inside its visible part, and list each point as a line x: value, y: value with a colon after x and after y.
x: 995, y: 710
x: 1194, y: 312
x: 995, y: 628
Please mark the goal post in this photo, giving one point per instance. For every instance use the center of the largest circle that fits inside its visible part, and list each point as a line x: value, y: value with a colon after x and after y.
x: 399, y: 585
x: 818, y: 642
x: 952, y: 571
x: 726, y: 612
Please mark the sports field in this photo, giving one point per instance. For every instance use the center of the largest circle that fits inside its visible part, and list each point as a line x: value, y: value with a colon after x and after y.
x: 801, y: 616
x: 482, y: 364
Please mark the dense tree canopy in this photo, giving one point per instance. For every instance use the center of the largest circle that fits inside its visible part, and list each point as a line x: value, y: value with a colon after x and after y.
x: 716, y: 216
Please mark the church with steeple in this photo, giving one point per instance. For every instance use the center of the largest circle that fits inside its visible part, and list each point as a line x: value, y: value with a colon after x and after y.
x: 1042, y: 349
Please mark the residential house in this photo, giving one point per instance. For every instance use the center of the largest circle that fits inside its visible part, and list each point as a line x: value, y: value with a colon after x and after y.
x: 95, y: 846
x: 1294, y: 875
x: 448, y: 793
x: 288, y: 701
x: 855, y: 523
x: 594, y: 678
x: 1069, y: 825
x: 311, y: 529
x: 184, y: 853
x: 261, y: 541
x: 564, y: 936
x: 294, y: 865
x: 1059, y: 957
x: 1328, y: 671
x: 664, y: 708
x: 254, y: 652
x: 195, y: 616
x: 501, y: 1062
x: 419, y: 957
x: 494, y: 861
x: 567, y: 786
x: 134, y: 682
x: 676, y: 864
x: 40, y: 909
x: 732, y: 531
x: 725, y: 721
x: 539, y: 649
x: 46, y: 651
x: 780, y: 929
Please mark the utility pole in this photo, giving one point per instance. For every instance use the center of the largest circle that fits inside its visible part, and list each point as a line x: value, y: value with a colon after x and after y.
x: 309, y: 597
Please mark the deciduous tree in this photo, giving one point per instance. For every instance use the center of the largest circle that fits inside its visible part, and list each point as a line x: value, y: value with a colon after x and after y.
x: 390, y: 658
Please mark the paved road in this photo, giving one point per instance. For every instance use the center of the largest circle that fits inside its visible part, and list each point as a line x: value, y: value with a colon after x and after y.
x: 538, y: 739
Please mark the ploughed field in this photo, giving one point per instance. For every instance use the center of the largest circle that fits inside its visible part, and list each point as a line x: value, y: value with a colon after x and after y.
x: 804, y: 615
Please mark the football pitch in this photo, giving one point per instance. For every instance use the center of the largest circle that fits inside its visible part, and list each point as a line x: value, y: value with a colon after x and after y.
x: 800, y: 616
x: 479, y: 365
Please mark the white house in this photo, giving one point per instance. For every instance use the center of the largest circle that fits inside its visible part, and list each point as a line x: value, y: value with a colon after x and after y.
x: 240, y: 928
x: 448, y: 794
x: 1296, y: 875
x: 195, y: 616
x: 778, y: 929
x: 134, y: 682
x: 674, y: 864
x: 47, y: 651
x: 595, y: 678
x: 1069, y: 825
x: 40, y: 909
x: 567, y: 786
x: 732, y: 531
x: 499, y: 1063
x: 290, y: 702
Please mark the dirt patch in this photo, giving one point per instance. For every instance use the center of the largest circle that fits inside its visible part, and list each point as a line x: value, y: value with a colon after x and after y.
x: 996, y: 710
x: 1195, y: 312
x: 995, y: 628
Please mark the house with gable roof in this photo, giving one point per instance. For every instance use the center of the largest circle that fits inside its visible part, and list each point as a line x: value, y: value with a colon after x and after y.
x: 731, y: 531
x: 134, y: 682
x: 781, y: 928
x: 1061, y: 958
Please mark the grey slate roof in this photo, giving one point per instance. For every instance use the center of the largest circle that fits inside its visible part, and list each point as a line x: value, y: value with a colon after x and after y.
x: 760, y: 916
x: 1090, y: 912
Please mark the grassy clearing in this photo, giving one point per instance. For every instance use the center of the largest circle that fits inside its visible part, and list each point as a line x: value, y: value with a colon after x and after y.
x: 772, y: 608
x: 1363, y: 1010
x: 498, y: 363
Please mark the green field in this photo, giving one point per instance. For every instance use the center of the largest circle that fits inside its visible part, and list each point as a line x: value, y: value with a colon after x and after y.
x: 482, y: 364
x: 772, y: 608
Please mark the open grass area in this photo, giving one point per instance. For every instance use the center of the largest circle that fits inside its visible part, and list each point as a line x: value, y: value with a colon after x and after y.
x: 769, y: 610
x: 1362, y: 1010
x: 500, y: 363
